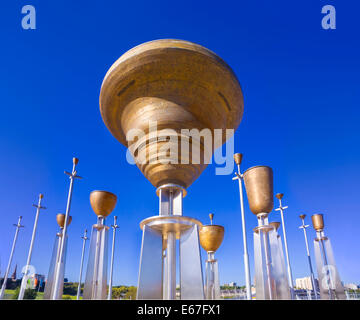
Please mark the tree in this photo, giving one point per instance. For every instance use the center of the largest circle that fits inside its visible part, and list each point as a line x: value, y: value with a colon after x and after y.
x: 70, y: 288
x: 131, y: 293
x: 29, y: 294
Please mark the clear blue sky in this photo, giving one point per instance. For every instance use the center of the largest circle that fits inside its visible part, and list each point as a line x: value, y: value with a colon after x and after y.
x: 301, y: 117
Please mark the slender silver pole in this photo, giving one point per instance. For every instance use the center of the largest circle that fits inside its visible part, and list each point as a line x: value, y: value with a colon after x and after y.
x: 114, y: 226
x: 281, y: 209
x: 95, y: 288
x: 81, y: 263
x: 25, y: 276
x: 320, y: 236
x: 171, y: 266
x: 265, y: 237
x: 210, y: 277
x: 239, y: 177
x: 171, y: 257
x: 56, y: 295
x: 18, y: 226
x: 303, y: 226
x: 170, y: 201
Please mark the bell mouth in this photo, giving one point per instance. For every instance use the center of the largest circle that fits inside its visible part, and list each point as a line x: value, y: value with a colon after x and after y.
x: 102, y: 202
x: 258, y: 182
x: 211, y: 237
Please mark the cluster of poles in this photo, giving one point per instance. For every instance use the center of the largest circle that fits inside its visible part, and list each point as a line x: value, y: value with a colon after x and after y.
x: 327, y: 272
x: 267, y: 245
x: 57, y: 269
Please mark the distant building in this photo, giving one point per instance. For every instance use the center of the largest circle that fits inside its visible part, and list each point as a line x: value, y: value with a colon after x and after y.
x: 13, y: 276
x: 230, y: 284
x: 351, y: 286
x: 305, y: 283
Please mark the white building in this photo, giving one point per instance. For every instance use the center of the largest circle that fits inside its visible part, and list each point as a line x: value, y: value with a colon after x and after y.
x: 304, y: 283
x: 351, y: 286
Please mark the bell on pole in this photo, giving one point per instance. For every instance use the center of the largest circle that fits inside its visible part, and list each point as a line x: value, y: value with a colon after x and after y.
x: 55, y: 262
x: 165, y: 83
x: 330, y: 284
x: 211, y: 237
x: 95, y: 288
x: 270, y: 274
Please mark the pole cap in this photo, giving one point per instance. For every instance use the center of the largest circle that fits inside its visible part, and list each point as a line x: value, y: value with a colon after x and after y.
x: 102, y: 202
x: 279, y: 195
x: 75, y: 161
x: 60, y: 219
x: 211, y: 216
x: 259, y: 189
x: 238, y: 158
x: 302, y: 216
x: 41, y: 196
x: 211, y: 237
x: 318, y: 221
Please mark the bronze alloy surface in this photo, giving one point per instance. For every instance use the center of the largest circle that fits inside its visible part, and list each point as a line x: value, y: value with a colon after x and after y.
x: 60, y: 219
x: 302, y: 216
x: 279, y: 195
x: 211, y: 237
x: 179, y: 85
x: 102, y: 202
x: 259, y: 189
x: 238, y: 158
x: 275, y: 224
x: 318, y: 221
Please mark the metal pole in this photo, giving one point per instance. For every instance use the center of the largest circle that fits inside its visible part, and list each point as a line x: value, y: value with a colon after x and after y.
x: 265, y: 237
x: 328, y: 274
x: 25, y: 276
x: 81, y: 263
x: 18, y: 226
x: 114, y: 226
x: 303, y: 226
x: 239, y: 177
x: 171, y: 266
x: 281, y: 209
x: 210, y: 283
x: 94, y: 290
x: 72, y: 175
